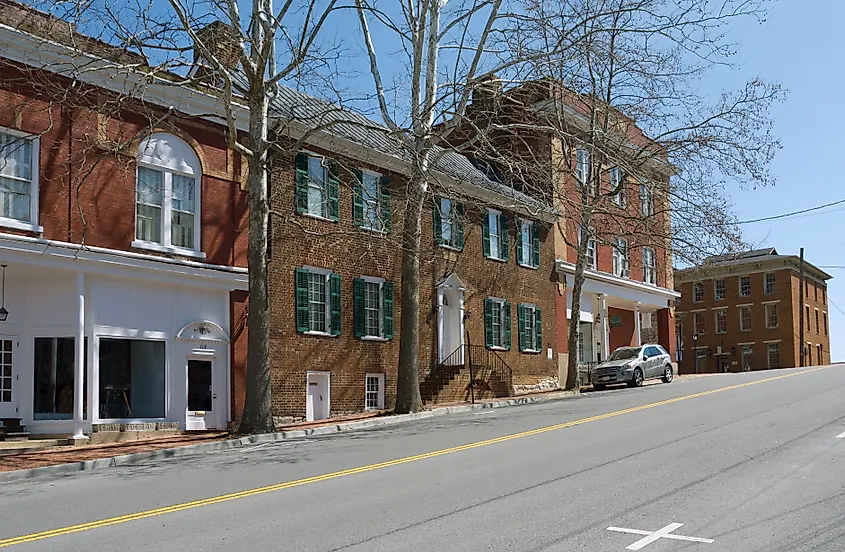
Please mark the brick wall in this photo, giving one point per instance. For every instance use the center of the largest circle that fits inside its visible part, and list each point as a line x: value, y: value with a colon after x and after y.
x: 300, y: 240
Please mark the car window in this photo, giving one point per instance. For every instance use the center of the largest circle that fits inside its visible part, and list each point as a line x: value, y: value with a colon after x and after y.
x: 652, y: 351
x: 662, y: 350
x: 624, y: 352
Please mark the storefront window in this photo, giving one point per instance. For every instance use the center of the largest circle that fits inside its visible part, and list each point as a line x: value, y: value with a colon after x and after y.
x: 54, y: 378
x: 132, y: 378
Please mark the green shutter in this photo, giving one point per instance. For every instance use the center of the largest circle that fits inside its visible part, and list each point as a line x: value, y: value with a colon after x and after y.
x: 333, y: 189
x: 358, y: 198
x: 503, y: 236
x: 538, y: 329
x: 488, y: 323
x: 334, y: 286
x: 387, y: 309
x: 301, y: 194
x: 535, y: 237
x: 358, y: 287
x: 518, y: 233
x: 485, y: 233
x: 459, y: 226
x: 384, y: 202
x: 520, y: 320
x: 303, y: 311
x: 438, y: 222
x: 507, y: 308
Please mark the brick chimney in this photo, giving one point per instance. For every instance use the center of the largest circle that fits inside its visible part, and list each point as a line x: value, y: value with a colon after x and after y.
x: 222, y: 40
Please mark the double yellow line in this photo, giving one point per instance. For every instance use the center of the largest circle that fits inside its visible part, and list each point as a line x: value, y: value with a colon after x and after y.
x: 362, y: 469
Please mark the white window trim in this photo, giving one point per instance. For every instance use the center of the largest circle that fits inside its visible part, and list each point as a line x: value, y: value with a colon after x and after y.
x: 740, y: 307
x: 766, y: 315
x: 703, y: 292
x: 326, y: 272
x: 167, y: 207
x: 499, y: 301
x: 704, y: 323
x: 739, y: 285
x: 527, y: 263
x: 716, y: 290
x: 366, y: 226
x: 497, y: 255
x: 592, y: 231
x: 624, y: 261
x: 325, y: 186
x: 579, y: 175
x: 380, y: 282
x: 652, y: 267
x: 533, y: 308
x: 646, y: 200
x: 771, y: 302
x: 380, y: 377
x: 619, y: 199
x: 34, y: 185
x: 774, y: 283
x: 716, y: 320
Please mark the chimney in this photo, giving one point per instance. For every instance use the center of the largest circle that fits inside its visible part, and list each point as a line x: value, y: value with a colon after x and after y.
x: 222, y: 41
x: 487, y: 94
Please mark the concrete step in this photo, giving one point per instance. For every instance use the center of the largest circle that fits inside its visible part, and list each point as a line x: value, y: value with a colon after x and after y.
x: 16, y: 447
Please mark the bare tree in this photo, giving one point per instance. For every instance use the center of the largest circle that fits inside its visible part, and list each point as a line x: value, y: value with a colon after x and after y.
x: 240, y: 56
x: 620, y: 80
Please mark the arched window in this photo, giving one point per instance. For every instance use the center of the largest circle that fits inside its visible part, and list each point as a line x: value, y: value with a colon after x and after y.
x: 167, y: 196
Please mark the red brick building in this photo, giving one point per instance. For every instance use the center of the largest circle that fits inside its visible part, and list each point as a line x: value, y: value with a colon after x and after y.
x: 628, y: 296
x: 122, y: 240
x: 741, y: 312
x: 487, y: 272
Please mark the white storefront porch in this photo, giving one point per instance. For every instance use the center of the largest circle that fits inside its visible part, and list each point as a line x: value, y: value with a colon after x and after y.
x: 602, y: 295
x: 154, y: 335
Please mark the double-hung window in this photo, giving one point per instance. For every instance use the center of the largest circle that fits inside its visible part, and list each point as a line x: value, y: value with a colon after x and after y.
x: 719, y: 290
x: 19, y: 180
x: 583, y: 168
x: 615, y: 177
x: 373, y: 302
x: 448, y: 223
x: 770, y: 283
x: 318, y: 305
x: 698, y: 292
x: 698, y: 323
x: 374, y: 392
x: 745, y: 319
x: 771, y: 315
x: 317, y: 186
x: 721, y: 320
x: 646, y: 200
x: 590, y: 251
x: 530, y: 328
x: 497, y: 323
x: 744, y: 286
x: 649, y: 271
x: 774, y: 355
x: 528, y: 243
x: 371, y: 201
x: 620, y: 258
x: 494, y: 235
x: 167, y: 196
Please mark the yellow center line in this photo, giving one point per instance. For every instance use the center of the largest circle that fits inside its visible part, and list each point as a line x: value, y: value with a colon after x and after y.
x: 362, y: 469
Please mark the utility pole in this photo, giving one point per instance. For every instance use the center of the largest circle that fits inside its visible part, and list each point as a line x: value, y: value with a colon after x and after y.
x: 801, y: 309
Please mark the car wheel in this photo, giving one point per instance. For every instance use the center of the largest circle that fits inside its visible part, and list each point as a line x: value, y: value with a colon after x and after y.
x: 599, y: 386
x: 637, y: 380
x: 668, y: 374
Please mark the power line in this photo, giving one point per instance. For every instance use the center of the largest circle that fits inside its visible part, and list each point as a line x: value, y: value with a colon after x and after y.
x: 834, y: 304
x: 792, y: 214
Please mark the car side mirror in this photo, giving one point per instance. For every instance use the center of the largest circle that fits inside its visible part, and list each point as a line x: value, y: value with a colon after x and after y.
x: 645, y: 357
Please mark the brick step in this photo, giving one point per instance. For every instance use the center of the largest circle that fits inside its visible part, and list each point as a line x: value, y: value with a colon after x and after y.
x: 15, y: 436
x: 12, y: 430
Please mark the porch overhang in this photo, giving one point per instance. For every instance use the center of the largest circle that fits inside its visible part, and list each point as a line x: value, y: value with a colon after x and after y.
x: 622, y: 290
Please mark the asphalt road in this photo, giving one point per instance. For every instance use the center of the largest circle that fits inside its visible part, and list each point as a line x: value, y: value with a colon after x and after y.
x: 754, y: 467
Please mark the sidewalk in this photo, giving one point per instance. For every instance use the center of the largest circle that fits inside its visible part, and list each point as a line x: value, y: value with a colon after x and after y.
x: 19, y: 465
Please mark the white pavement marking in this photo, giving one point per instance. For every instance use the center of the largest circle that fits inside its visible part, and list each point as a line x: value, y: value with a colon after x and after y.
x: 256, y: 447
x: 652, y: 536
x: 841, y: 435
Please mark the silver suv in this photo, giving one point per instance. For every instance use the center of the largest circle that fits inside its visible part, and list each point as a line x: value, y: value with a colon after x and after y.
x: 633, y: 365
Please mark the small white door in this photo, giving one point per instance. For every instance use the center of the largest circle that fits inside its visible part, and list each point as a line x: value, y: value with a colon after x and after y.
x: 317, y: 405
x: 201, y: 395
x: 451, y: 326
x: 8, y: 394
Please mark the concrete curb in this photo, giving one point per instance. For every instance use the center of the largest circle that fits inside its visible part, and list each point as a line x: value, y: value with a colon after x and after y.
x: 176, y: 452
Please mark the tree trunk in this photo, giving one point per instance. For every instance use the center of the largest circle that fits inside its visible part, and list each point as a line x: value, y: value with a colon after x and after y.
x: 258, y: 409
x: 574, y: 321
x: 408, y: 380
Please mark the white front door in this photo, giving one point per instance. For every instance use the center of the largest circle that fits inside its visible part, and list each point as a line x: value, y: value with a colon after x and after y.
x: 201, y: 395
x: 317, y: 405
x: 8, y: 393
x: 450, y: 325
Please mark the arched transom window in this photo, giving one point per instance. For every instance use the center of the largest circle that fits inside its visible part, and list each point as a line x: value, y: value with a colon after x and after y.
x: 167, y: 196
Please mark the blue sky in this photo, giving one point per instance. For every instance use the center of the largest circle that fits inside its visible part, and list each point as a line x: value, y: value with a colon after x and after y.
x: 801, y: 48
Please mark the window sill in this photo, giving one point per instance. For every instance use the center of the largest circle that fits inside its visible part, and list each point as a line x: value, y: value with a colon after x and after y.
x: 498, y: 348
x: 149, y: 246
x: 318, y: 217
x: 532, y: 267
x: 21, y: 225
x: 319, y: 334
x: 450, y: 247
x: 369, y: 229
x: 531, y: 351
x: 497, y: 259
x: 373, y: 338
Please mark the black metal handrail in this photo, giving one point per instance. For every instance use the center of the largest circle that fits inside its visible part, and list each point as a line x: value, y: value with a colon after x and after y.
x: 489, y: 359
x: 485, y: 366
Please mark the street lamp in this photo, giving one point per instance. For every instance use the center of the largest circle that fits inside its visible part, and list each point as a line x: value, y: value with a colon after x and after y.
x: 4, y: 314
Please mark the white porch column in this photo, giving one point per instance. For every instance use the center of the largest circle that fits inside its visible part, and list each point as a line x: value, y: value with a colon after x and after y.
x: 605, y: 337
x: 637, y: 324
x: 79, y: 361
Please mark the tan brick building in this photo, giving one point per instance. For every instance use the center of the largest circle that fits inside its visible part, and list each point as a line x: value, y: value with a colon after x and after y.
x: 487, y: 273
x: 741, y: 312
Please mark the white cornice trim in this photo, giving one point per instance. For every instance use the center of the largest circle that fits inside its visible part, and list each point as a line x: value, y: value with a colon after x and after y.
x: 104, y: 261
x: 569, y: 268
